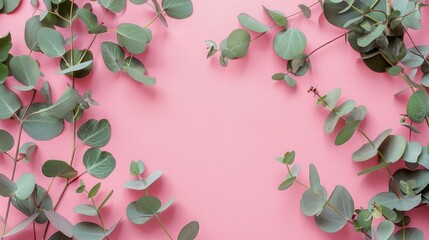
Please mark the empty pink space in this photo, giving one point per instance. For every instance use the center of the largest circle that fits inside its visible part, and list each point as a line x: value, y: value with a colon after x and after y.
x: 216, y: 131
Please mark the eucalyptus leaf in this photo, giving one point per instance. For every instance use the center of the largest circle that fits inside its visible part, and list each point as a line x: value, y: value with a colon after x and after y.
x: 9, y: 102
x: 251, y: 23
x: 385, y: 230
x: 40, y: 200
x: 6, y: 141
x: 25, y: 70
x: 237, y: 44
x: 65, y: 104
x: 165, y: 206
x: 51, y: 42
x: 135, y: 69
x: 59, y: 236
x: 410, y: 234
x: 314, y: 177
x: 7, y: 187
x: 9, y: 6
x: 135, y: 216
x: 365, y: 40
x: 369, y: 150
x: 88, y: 231
x: 57, y: 168
x: 313, y: 201
x: 393, y: 148
x: 81, y: 65
x: 98, y: 163
x: 60, y: 222
x: 95, y: 133
x: 25, y: 186
x: 27, y: 149
x: 278, y: 17
x: 113, y: 56
x: 42, y: 126
x: 346, y: 132
x: 45, y: 91
x: 114, y: 6
x: 390, y: 200
x: 412, y: 152
x: 418, y: 106
x: 21, y: 226
x: 94, y: 190
x: 5, y: 46
x: 189, y: 231
x: 178, y: 9
x: 132, y: 37
x: 85, y: 209
x: 290, y: 43
x: 148, y: 205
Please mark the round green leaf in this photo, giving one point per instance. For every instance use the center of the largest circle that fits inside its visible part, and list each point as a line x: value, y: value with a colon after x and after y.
x: 88, y: 231
x: 314, y: 177
x: 393, y: 148
x: 385, y: 230
x: 178, y: 9
x: 95, y: 133
x: 9, y: 6
x: 390, y: 200
x: 189, y: 231
x: 132, y: 37
x: 313, y: 200
x: 347, y: 132
x: 329, y: 220
x: 418, y: 106
x: 7, y: 187
x: 148, y: 205
x: 25, y: 70
x: 290, y: 43
x: 27, y: 149
x: 59, y: 236
x: 135, y: 216
x: 251, y: 23
x: 5, y: 46
x: 99, y: 164
x: 85, y: 209
x: 57, y: 168
x: 305, y: 10
x: 237, y: 44
x: 412, y: 152
x: 25, y: 186
x: 9, y: 102
x: 41, y: 126
x: 6, y: 141
x: 135, y: 69
x: 113, y: 56
x: 51, y: 42
x: 114, y: 6
x: 368, y: 150
x: 278, y: 17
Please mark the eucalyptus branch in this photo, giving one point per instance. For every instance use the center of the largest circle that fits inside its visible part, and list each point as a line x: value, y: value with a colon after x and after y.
x: 163, y: 227
x: 346, y: 121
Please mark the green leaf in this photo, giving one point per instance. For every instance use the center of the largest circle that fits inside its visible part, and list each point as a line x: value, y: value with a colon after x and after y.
x: 358, y: 113
x: 412, y: 152
x: 135, y: 216
x: 25, y: 186
x: 290, y: 178
x: 94, y: 190
x: 27, y: 149
x: 148, y: 205
x: 5, y: 46
x: 393, y: 148
x: 57, y: 168
x: 368, y: 150
x: 153, y: 177
x: 329, y: 220
x: 88, y: 231
x: 114, y: 6
x: 9, y: 102
x: 91, y: 21
x: 138, y: 2
x: 41, y: 126
x: 313, y: 200
x: 330, y: 99
x: 105, y: 200
x: 9, y: 6
x: 60, y: 222
x: 112, y: 228
x: 346, y: 132
x: 290, y: 43
x: 21, y: 226
x: 289, y: 158
x: 85, y: 209
x: 6, y: 141
x: 4, y: 73
x: 45, y: 91
x: 305, y: 10
x: 135, y: 184
x: 413, y: 59
x: 7, y: 187
x: 365, y: 40
x: 237, y: 44
x: 178, y: 9
x: 32, y: 27
x: 335, y: 115
x: 134, y: 168
x: 65, y: 105
x: 314, y: 177
x: 251, y: 23
x: 373, y: 168
x: 189, y: 231
x: 290, y: 81
x: 278, y: 17
x: 421, y: 177
x: 424, y: 157
x: 59, y: 236
x: 132, y: 37
x: 51, y: 42
x: 25, y: 70
x: 395, y: 70
x: 113, y: 56
x: 99, y: 164
x: 418, y: 106
x: 95, y: 133
x: 82, y: 63
x: 166, y: 206
x: 385, y: 230
x: 39, y: 200
x: 390, y: 200
x: 136, y: 70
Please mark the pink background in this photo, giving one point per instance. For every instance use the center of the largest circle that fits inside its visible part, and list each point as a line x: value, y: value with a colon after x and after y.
x: 215, y: 131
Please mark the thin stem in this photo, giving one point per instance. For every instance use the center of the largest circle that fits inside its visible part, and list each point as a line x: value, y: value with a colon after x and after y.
x: 346, y: 121
x: 99, y: 215
x: 294, y: 14
x: 414, y: 45
x: 152, y: 21
x: 163, y: 227
x: 34, y: 231
x: 327, y: 43
x: 71, y: 42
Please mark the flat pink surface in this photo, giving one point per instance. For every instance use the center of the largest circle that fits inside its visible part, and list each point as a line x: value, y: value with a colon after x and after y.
x: 215, y: 131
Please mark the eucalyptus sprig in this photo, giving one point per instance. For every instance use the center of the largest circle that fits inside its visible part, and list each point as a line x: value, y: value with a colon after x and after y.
x: 44, y: 120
